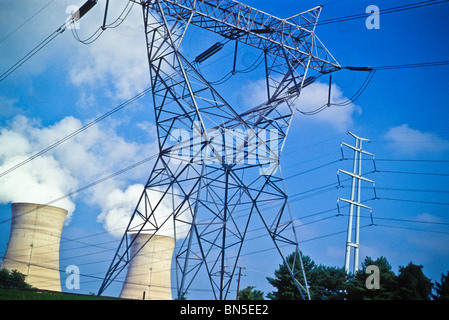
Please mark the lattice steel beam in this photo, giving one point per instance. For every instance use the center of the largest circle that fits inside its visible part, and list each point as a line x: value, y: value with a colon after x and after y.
x: 228, y: 161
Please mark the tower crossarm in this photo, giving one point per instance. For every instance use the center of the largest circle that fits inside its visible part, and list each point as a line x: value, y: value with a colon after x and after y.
x: 357, y: 176
x: 237, y: 21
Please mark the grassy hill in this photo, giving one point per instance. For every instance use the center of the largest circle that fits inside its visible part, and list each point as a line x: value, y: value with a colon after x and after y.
x: 31, y: 294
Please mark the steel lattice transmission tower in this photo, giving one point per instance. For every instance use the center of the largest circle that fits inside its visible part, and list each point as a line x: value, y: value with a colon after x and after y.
x: 217, y: 175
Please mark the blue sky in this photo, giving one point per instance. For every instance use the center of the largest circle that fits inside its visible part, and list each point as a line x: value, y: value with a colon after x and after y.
x: 68, y: 84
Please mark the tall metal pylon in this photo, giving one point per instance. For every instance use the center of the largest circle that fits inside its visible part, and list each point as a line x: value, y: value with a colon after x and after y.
x: 217, y: 175
x: 355, y: 201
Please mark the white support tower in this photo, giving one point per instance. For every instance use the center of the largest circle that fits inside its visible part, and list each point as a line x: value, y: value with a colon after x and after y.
x: 355, y: 202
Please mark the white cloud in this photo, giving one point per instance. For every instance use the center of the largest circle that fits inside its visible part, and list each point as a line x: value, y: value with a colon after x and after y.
x: 8, y: 107
x: 147, y: 126
x: 312, y: 97
x: 114, y: 66
x: 24, y: 24
x: 407, y: 141
x: 117, y: 58
x: 41, y: 180
x: 427, y: 217
x: 119, y: 206
x: 316, y: 95
x: 254, y: 93
x: 81, y: 160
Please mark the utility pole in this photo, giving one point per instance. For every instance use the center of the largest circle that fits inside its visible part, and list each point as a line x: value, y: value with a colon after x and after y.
x: 238, y: 282
x: 355, y: 201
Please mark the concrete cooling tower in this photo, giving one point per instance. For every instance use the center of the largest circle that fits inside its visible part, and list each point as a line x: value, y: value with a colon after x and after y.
x: 149, y: 271
x: 33, y: 247
x: 148, y: 275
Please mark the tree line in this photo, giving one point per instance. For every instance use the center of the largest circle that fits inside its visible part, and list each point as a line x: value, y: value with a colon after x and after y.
x: 328, y: 283
x: 333, y: 283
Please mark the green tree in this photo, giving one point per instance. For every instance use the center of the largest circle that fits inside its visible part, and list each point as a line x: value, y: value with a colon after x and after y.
x: 325, y: 283
x: 413, y: 284
x: 13, y: 279
x: 328, y: 283
x: 442, y: 288
x: 357, y: 289
x: 283, y: 282
x: 249, y: 293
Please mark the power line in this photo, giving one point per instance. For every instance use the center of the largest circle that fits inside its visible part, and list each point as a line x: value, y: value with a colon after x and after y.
x: 369, y: 217
x: 145, y: 160
x: 332, y: 234
x: 261, y: 250
x: 116, y: 23
x: 372, y: 71
x: 303, y: 241
x: 405, y: 220
x: 359, y: 91
x: 108, y: 177
x: 413, y: 65
x: 31, y: 53
x: 268, y: 249
x: 95, y: 182
x: 415, y: 201
x: 73, y: 134
x: 105, y: 250
x: 75, y: 17
x: 412, y: 229
x: 313, y: 169
x: 102, y: 180
x: 404, y: 189
x: 416, y: 173
x: 384, y: 11
x: 57, y: 143
x: 315, y: 238
x: 347, y: 102
x: 404, y: 160
x: 333, y: 185
x: 98, y: 278
x: 25, y: 22
x: 396, y: 67
x: 322, y: 219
